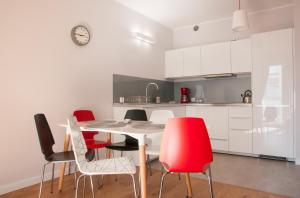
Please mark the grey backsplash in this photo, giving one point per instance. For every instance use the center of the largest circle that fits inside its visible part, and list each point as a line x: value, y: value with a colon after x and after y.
x: 216, y: 90
x: 127, y: 86
x: 212, y: 91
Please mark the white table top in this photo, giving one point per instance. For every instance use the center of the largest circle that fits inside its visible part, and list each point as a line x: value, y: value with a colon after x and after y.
x: 136, y: 129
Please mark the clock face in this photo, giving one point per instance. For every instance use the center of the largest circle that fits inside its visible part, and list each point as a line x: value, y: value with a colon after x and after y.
x: 80, y: 35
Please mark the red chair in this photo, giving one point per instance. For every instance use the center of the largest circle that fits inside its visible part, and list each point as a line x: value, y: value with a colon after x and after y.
x: 186, y: 148
x: 91, y: 143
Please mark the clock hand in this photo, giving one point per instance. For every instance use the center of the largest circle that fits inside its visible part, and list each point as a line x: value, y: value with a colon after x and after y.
x: 80, y: 34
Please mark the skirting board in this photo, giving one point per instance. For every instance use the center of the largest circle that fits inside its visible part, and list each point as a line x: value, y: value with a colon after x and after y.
x: 32, y: 180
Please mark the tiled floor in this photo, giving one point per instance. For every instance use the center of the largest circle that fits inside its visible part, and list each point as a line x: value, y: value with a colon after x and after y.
x: 266, y: 175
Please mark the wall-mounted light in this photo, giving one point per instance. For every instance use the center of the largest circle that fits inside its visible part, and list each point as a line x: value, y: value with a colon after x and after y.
x: 143, y: 37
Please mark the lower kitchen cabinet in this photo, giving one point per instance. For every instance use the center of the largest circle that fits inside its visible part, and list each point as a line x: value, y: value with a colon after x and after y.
x: 240, y: 129
x: 230, y: 127
x: 216, y: 120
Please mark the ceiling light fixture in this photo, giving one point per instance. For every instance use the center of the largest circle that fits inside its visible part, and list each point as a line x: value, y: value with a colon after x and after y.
x: 240, y: 19
x: 143, y: 37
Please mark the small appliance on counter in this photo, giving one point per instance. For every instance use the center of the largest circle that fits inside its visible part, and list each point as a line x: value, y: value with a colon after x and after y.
x: 185, y: 98
x: 247, y: 96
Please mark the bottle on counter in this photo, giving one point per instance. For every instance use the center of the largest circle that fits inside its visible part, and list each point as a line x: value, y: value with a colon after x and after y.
x: 122, y: 100
x: 157, y: 100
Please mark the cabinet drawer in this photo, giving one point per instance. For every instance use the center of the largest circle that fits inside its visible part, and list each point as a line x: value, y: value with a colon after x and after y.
x: 240, y: 123
x: 240, y: 141
x: 240, y: 112
x: 219, y: 145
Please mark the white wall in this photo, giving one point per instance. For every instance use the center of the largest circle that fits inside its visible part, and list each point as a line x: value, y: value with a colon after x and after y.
x: 43, y: 71
x: 220, y: 30
x: 297, y: 79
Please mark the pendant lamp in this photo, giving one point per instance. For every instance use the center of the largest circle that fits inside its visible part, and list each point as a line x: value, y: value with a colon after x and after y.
x: 240, y: 19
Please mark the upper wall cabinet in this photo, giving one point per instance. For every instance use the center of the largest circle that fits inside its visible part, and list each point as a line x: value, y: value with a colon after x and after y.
x: 192, y: 61
x: 174, y: 63
x: 216, y: 58
x: 241, y: 56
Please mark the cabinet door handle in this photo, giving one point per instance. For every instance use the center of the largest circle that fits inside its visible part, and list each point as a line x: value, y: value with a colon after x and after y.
x: 218, y: 139
x: 236, y: 117
x: 234, y: 129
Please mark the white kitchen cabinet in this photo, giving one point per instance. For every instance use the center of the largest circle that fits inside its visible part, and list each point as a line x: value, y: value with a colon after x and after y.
x: 216, y: 120
x: 192, y: 61
x: 273, y: 93
x: 240, y: 129
x: 174, y: 63
x: 216, y: 58
x: 241, y: 60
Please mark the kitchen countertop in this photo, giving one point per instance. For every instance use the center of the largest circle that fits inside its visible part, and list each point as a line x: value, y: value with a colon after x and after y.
x: 149, y: 105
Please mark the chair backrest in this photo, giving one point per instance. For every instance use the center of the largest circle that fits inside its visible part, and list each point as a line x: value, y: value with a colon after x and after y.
x: 78, y: 143
x: 137, y: 115
x: 161, y: 116
x: 185, y: 145
x: 45, y: 135
x: 84, y: 115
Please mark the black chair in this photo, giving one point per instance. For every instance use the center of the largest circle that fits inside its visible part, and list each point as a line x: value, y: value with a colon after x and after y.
x: 130, y: 143
x: 46, y: 142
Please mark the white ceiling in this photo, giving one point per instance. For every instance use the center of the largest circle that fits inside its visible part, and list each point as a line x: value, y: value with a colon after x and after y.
x: 179, y: 13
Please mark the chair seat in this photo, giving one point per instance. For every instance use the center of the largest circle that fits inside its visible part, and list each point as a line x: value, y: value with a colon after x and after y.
x: 123, y: 146
x: 121, y: 165
x: 153, y: 150
x: 61, y: 157
x: 95, y: 144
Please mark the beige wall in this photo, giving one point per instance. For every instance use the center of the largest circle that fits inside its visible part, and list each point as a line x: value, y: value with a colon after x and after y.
x: 43, y: 71
x: 297, y: 79
x: 220, y: 30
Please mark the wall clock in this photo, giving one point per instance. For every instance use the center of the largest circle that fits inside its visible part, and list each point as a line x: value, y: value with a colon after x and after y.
x: 80, y: 35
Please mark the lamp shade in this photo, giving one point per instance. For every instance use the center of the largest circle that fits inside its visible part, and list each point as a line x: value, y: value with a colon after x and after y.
x: 240, y: 21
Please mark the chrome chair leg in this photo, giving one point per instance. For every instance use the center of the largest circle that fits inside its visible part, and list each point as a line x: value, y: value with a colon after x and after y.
x: 162, y: 183
x: 134, y: 187
x: 149, y: 165
x: 162, y: 170
x: 42, y: 180
x: 100, y: 185
x: 210, y: 183
x: 92, y: 186
x: 97, y: 153
x: 53, y: 167
x: 179, y: 176
x: 77, y: 185
x: 75, y: 174
x: 113, y: 155
x: 69, y: 169
x: 139, y: 185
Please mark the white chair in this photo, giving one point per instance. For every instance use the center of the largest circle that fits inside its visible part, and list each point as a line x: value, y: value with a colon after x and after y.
x: 153, y: 148
x: 112, y: 166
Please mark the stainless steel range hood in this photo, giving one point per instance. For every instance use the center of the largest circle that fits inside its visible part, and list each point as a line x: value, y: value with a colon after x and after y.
x: 215, y: 76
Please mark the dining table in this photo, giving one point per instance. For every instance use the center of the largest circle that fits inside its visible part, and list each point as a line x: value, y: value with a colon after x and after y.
x: 136, y: 129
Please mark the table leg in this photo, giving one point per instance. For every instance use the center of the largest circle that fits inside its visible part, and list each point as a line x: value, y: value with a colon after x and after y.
x: 143, y: 172
x: 63, y: 166
x: 188, y: 184
x: 108, y: 151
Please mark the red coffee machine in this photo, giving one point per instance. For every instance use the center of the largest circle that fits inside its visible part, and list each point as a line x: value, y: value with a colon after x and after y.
x: 185, y: 95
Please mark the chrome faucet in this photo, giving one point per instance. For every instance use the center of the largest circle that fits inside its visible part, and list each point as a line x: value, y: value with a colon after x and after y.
x: 148, y: 85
